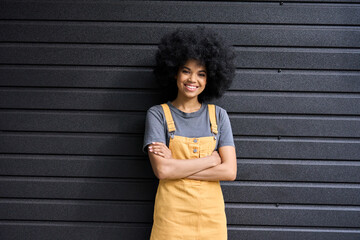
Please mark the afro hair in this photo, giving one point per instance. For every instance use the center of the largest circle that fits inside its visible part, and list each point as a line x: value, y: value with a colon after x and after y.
x: 200, y: 44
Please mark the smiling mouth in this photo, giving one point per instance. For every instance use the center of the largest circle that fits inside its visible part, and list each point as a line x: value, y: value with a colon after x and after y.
x: 191, y: 88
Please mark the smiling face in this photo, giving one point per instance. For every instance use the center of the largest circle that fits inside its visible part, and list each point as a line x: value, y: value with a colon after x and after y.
x: 191, y: 79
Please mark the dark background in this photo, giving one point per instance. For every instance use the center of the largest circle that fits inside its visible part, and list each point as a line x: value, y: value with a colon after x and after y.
x: 75, y: 82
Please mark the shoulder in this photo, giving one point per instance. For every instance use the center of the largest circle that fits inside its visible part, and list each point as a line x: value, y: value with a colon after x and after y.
x: 155, y: 109
x: 219, y: 109
x: 221, y: 113
x: 155, y: 112
x: 222, y: 117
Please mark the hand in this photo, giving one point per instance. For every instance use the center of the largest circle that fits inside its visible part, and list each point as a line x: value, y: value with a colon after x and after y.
x: 160, y: 149
x: 217, y: 159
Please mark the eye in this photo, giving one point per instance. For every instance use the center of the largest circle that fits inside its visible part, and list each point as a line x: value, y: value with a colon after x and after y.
x: 202, y: 75
x: 185, y: 71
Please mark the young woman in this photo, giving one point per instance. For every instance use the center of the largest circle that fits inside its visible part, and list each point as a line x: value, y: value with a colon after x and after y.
x: 190, y: 143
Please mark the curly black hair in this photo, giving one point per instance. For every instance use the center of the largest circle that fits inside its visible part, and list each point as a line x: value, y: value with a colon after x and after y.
x: 200, y: 44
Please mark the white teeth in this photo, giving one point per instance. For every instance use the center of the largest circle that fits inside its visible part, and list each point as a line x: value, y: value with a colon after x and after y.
x: 191, y: 87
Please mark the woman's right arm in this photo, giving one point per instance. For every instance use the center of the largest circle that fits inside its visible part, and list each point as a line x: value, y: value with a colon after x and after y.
x: 166, y: 167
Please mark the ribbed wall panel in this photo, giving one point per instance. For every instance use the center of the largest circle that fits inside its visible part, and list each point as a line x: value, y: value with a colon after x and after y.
x: 76, y: 81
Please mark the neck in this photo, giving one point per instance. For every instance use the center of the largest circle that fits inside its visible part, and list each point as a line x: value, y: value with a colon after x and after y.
x: 187, y: 105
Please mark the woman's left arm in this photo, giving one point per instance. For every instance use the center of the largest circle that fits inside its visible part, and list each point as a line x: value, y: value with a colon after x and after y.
x: 226, y: 171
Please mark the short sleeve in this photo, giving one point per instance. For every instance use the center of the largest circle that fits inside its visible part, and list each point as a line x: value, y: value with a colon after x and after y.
x: 225, y: 137
x: 155, y: 130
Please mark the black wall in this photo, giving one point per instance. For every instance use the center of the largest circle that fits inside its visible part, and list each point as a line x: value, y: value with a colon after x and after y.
x: 75, y: 82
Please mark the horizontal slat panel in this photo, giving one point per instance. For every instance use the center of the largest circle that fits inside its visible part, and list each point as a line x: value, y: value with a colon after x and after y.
x: 67, y: 121
x: 76, y: 166
x: 92, y: 77
x: 243, y: 124
x: 301, y: 1
x: 20, y: 230
x: 77, y: 54
x: 91, y: 144
x: 100, y: 144
x: 296, y: 193
x: 287, y: 148
x: 289, y: 215
x: 170, y: 11
x: 151, y: 33
x: 329, y: 59
x: 140, y: 190
x: 244, y: 214
x: 289, y: 80
x: 249, y: 102
x: 81, y: 188
x: 127, y: 167
x: 142, y: 78
x: 135, y: 55
x: 290, y: 103
x: 313, y: 171
x: 286, y: 233
x: 74, y: 210
x: 295, y: 126
x: 39, y: 230
x: 78, y: 99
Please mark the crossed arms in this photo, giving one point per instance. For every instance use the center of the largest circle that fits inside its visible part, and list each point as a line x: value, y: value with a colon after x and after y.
x: 220, y: 165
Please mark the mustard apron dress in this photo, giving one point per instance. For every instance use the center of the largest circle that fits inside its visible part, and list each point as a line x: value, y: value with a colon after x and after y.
x: 185, y: 208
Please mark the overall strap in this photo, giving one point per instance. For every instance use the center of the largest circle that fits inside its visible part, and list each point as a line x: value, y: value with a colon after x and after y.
x: 212, y: 116
x: 168, y: 117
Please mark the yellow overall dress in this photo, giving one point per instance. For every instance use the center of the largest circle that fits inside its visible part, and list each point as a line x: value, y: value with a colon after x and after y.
x: 186, y: 208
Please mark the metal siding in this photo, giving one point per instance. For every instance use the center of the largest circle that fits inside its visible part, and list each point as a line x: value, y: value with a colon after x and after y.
x: 185, y: 11
x: 75, y: 82
x: 143, y: 56
x: 150, y: 33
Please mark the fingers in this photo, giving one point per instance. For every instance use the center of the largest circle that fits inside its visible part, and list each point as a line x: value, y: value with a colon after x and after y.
x: 160, y: 154
x: 160, y: 149
x: 157, y: 148
x: 157, y: 145
x: 157, y: 152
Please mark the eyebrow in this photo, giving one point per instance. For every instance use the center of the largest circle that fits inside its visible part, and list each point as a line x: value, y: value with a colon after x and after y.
x: 199, y: 71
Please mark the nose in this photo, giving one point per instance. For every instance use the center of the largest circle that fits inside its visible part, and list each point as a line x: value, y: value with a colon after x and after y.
x: 191, y: 78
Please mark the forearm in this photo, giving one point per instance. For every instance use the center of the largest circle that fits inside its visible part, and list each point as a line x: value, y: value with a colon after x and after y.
x: 169, y: 168
x: 221, y: 172
x: 226, y: 171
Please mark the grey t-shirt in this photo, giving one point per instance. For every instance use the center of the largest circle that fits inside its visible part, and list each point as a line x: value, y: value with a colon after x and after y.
x: 192, y: 125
